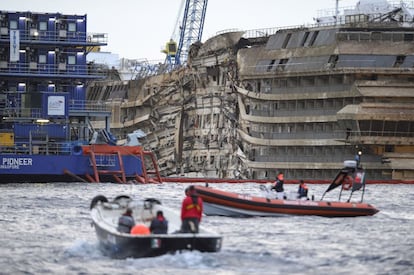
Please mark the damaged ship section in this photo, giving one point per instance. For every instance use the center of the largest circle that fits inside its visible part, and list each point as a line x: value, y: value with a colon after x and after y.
x: 298, y: 100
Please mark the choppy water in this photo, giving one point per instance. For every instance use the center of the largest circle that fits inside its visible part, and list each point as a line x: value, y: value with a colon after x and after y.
x: 46, y: 229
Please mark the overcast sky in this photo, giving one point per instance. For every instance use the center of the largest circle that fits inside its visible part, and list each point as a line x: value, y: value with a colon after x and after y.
x: 139, y: 29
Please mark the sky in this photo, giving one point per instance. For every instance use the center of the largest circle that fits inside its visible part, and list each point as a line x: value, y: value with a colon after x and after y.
x: 139, y: 29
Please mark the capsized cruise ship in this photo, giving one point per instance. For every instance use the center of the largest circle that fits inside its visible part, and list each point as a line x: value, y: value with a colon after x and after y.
x: 299, y: 100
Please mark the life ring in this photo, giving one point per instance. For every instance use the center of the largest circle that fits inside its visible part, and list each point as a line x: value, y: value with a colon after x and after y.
x: 347, y: 183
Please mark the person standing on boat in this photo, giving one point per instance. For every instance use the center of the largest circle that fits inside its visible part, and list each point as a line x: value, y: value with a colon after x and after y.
x: 302, y: 190
x: 126, y: 221
x: 191, y: 211
x: 278, y: 187
x: 159, y: 225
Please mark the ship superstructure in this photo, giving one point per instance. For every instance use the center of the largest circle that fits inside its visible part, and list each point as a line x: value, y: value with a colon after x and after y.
x: 298, y: 100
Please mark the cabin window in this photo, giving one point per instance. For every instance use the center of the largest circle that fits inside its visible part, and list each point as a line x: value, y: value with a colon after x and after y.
x: 308, y: 151
x: 389, y: 148
x: 399, y: 61
x: 42, y: 26
x: 282, y: 64
x: 376, y: 36
x: 287, y: 38
x: 403, y: 128
x: 333, y: 59
x: 72, y: 27
x: 269, y: 67
x: 313, y: 38
x: 291, y: 105
x: 71, y: 60
x: 13, y: 24
x: 408, y: 37
x: 300, y: 105
x: 318, y: 127
x: 42, y: 58
x: 305, y: 37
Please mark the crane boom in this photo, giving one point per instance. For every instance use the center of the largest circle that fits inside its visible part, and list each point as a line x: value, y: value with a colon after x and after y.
x: 191, y: 31
x: 191, y: 28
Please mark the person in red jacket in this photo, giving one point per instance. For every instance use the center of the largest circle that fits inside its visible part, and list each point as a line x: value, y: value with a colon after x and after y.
x: 191, y: 211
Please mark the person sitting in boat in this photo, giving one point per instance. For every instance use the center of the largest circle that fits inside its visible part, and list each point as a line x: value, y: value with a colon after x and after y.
x: 278, y: 187
x: 126, y: 221
x: 191, y: 211
x: 159, y: 225
x: 302, y: 190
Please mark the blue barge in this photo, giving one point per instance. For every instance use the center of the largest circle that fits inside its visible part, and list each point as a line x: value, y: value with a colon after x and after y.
x: 49, y: 132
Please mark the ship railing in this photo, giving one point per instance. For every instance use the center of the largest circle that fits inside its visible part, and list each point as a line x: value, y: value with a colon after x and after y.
x: 306, y: 89
x: 60, y: 69
x: 384, y: 133
x: 342, y: 20
x: 298, y: 135
x: 37, y: 113
x: 337, y: 135
x: 18, y: 112
x: 39, y: 148
x: 35, y: 35
x: 294, y: 112
x: 368, y: 64
x: 88, y: 105
x: 347, y: 9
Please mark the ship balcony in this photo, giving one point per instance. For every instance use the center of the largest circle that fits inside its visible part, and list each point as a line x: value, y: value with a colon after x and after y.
x: 381, y: 137
x: 41, y: 70
x: 300, y: 136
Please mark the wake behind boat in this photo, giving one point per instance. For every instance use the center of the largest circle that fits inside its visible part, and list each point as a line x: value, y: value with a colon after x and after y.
x: 116, y: 244
x: 351, y: 177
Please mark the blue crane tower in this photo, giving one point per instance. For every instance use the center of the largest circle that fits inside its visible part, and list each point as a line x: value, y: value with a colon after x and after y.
x: 190, y: 31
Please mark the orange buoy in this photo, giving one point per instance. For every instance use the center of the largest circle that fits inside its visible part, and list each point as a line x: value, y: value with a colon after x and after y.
x: 140, y: 229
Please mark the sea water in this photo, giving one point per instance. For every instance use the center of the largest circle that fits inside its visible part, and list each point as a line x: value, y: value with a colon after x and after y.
x: 46, y: 229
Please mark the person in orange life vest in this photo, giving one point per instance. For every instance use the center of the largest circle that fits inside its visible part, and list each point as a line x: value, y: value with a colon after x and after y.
x: 126, y: 221
x: 302, y: 190
x: 278, y: 187
x: 191, y: 211
x: 159, y: 225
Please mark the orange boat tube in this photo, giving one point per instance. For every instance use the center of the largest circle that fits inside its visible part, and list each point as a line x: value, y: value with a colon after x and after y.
x: 223, y: 203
